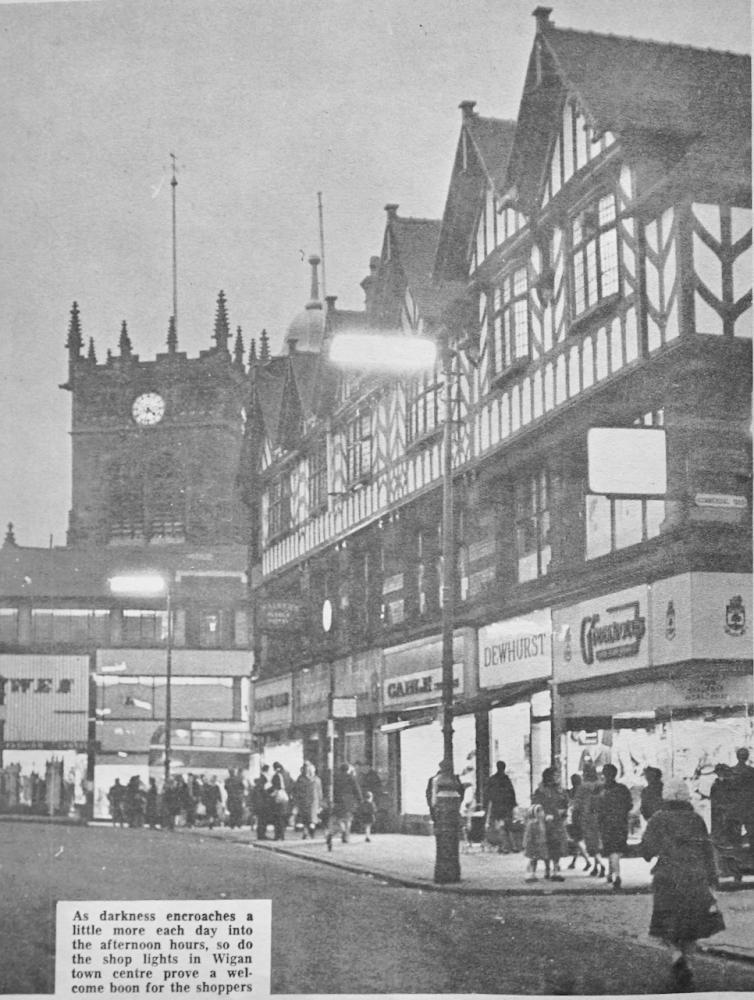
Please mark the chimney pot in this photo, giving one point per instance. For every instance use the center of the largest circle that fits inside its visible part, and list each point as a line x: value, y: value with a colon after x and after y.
x: 391, y: 210
x: 542, y: 15
x: 467, y: 108
x: 331, y: 300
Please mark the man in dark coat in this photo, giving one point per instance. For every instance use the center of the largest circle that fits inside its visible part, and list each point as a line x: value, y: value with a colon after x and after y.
x: 346, y: 798
x: 500, y: 801
x: 743, y: 793
x: 613, y: 807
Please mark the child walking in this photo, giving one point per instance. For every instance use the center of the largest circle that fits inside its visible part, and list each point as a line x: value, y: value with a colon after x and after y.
x: 368, y: 815
x: 535, y: 842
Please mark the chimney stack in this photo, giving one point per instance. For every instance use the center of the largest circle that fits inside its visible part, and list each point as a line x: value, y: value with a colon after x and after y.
x: 392, y: 211
x: 467, y: 109
x: 542, y: 16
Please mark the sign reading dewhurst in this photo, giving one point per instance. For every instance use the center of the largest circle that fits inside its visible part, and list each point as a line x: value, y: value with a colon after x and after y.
x: 516, y: 649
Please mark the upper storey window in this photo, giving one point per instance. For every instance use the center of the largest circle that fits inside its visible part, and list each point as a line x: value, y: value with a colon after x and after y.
x: 594, y: 254
x: 279, y: 506
x: 494, y: 226
x: 318, y: 475
x: 358, y: 442
x: 424, y: 409
x: 510, y: 322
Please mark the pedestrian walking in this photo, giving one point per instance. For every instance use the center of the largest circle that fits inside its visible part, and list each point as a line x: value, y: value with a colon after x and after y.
x: 500, y: 801
x: 651, y: 794
x: 346, y: 800
x: 725, y: 827
x: 574, y: 826
x: 307, y: 798
x: 555, y: 804
x: 589, y: 791
x: 116, y: 797
x: 615, y: 803
x: 212, y: 798
x: 368, y: 815
x: 684, y: 908
x: 743, y: 793
x: 279, y: 801
x: 152, y: 814
x: 234, y: 790
x: 535, y: 842
x: 260, y: 802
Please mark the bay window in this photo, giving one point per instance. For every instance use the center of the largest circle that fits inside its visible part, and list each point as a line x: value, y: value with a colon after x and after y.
x: 594, y: 254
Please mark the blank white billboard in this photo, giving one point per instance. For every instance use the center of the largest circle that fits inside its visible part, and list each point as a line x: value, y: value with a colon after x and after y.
x: 627, y: 461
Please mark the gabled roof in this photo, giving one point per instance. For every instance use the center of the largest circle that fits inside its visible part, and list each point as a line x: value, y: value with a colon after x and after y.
x: 660, y: 99
x: 416, y: 241
x: 491, y: 139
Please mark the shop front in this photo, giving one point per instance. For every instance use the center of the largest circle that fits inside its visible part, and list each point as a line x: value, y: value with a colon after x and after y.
x: 45, y: 752
x: 657, y: 675
x: 515, y: 668
x: 271, y: 726
x: 412, y: 713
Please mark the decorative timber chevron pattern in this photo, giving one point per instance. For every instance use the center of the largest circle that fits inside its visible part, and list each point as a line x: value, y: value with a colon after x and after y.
x: 722, y: 270
x: 661, y: 280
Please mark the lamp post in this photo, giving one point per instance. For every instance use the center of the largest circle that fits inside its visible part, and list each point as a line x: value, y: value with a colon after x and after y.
x: 401, y: 354
x: 154, y: 585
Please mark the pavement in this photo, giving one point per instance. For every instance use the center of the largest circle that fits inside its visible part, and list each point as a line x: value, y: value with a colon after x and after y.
x: 405, y: 860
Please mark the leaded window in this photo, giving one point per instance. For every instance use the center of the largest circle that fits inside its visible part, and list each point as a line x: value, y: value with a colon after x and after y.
x: 594, y: 254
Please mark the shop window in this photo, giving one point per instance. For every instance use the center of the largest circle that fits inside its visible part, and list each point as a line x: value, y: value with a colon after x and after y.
x: 8, y: 625
x: 145, y: 628
x: 279, y: 506
x: 614, y: 523
x: 594, y: 254
x: 318, y: 476
x: 532, y: 514
x: 510, y: 323
x: 69, y: 626
x: 358, y: 443
x: 424, y: 408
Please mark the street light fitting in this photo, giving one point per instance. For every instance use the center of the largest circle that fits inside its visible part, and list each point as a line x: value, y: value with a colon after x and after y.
x: 392, y: 352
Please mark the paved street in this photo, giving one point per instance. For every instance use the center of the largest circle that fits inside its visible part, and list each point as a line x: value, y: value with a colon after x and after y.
x: 337, y: 931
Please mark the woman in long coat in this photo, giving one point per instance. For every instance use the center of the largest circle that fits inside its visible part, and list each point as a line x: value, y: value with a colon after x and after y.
x: 307, y: 798
x: 684, y: 872
x: 554, y: 801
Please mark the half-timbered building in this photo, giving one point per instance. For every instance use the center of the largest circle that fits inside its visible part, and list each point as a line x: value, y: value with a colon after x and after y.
x: 592, y: 267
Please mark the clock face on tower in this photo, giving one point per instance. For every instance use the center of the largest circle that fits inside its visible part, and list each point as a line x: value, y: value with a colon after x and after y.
x: 148, y: 409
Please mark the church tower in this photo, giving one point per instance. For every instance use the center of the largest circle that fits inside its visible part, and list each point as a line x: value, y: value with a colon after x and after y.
x: 156, y: 444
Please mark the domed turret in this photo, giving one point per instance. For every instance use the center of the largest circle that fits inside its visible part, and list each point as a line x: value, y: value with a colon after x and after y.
x: 306, y: 332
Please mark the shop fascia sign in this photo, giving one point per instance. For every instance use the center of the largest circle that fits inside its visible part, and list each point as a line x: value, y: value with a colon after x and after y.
x: 607, y: 632
x: 35, y: 685
x: 516, y: 649
x: 419, y: 686
x: 273, y: 697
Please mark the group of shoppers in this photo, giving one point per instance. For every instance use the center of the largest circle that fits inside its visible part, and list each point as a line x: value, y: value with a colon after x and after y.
x: 592, y: 820
x: 274, y: 799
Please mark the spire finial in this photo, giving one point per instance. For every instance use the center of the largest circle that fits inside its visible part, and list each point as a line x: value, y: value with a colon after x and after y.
x: 75, y: 342
x: 253, y: 353
x: 264, y: 347
x: 172, y: 336
x: 92, y: 355
x: 174, y: 185
x: 222, y: 329
x: 124, y: 343
x: 238, y: 348
x: 10, y: 537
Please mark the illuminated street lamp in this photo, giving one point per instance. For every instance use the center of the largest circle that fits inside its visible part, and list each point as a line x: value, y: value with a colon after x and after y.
x: 399, y: 353
x: 153, y: 585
